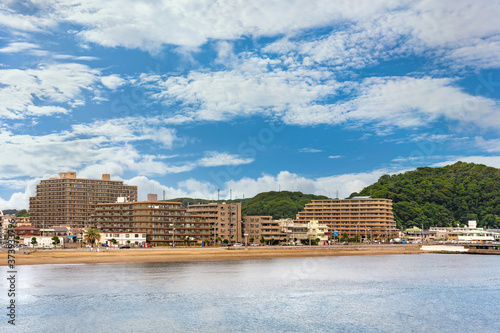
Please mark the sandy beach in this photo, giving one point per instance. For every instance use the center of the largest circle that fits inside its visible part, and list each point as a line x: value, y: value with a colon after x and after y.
x: 40, y: 257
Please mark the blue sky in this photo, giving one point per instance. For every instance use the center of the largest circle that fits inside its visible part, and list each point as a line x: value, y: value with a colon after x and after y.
x: 188, y: 97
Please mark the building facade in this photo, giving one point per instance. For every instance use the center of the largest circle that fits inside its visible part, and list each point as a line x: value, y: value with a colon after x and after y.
x: 360, y: 217
x: 224, y: 219
x: 163, y: 223
x: 70, y: 200
x: 258, y: 227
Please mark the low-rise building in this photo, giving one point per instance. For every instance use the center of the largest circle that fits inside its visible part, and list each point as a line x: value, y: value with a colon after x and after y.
x: 316, y: 231
x: 258, y: 227
x: 124, y: 238
x: 41, y: 241
x: 295, y: 231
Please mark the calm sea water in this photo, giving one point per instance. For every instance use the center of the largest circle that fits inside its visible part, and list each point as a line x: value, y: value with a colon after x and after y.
x: 407, y: 293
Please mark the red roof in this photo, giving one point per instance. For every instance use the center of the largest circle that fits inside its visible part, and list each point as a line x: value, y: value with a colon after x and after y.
x: 25, y: 227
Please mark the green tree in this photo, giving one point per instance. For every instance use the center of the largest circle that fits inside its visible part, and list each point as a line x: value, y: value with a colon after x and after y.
x: 251, y: 240
x: 33, y: 241
x: 55, y: 240
x: 262, y: 240
x: 92, y: 236
x: 225, y: 241
x: 113, y: 241
x: 218, y: 240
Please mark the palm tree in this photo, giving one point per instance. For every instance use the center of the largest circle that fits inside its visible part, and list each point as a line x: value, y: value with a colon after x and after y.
x: 92, y: 236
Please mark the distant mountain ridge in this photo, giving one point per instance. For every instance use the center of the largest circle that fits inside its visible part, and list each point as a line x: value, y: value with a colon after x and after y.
x: 442, y: 196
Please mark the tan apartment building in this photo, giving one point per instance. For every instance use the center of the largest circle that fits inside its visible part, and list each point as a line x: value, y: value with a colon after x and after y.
x: 224, y: 219
x: 163, y: 223
x: 258, y: 227
x: 70, y: 200
x: 361, y: 216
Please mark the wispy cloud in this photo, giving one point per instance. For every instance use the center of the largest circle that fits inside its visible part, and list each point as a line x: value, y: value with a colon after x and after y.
x: 58, y: 85
x: 16, y: 47
x: 310, y: 150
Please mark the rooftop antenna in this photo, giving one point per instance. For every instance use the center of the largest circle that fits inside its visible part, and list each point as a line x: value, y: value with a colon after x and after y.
x: 218, y: 194
x: 337, y: 194
x: 230, y: 194
x: 163, y: 195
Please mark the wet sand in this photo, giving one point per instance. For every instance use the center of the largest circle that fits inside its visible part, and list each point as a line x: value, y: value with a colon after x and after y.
x: 84, y: 256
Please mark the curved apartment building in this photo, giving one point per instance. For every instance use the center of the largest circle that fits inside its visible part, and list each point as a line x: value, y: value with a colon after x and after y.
x: 366, y: 217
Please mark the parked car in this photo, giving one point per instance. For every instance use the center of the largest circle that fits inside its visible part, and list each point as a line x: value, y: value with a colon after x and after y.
x: 104, y: 245
x: 237, y: 244
x: 46, y: 247
x: 255, y: 244
x: 225, y: 244
x: 125, y: 247
x: 298, y: 244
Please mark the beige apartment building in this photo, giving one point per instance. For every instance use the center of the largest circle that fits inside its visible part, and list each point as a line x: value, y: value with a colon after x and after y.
x: 70, y: 200
x: 162, y: 222
x: 258, y: 227
x: 224, y: 219
x: 363, y: 217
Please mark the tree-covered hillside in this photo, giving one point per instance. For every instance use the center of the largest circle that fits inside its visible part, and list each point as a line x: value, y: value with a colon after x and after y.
x: 283, y: 204
x: 442, y: 196
x: 279, y: 205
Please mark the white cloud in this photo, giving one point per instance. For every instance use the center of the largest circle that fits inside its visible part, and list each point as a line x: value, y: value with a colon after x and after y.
x: 403, y: 102
x: 310, y: 150
x: 150, y: 25
x: 20, y: 200
x: 305, y: 97
x: 250, y: 89
x: 344, y: 184
x: 335, y: 156
x: 90, y: 148
x: 214, y: 158
x: 15, y: 47
x: 51, y: 84
x: 492, y: 161
x: 491, y: 146
x: 31, y: 23
x: 112, y: 81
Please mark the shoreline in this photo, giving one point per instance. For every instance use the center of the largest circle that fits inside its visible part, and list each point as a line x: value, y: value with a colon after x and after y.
x: 185, y: 254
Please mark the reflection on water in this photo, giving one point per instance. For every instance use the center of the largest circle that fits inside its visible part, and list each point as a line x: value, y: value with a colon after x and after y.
x: 417, y: 293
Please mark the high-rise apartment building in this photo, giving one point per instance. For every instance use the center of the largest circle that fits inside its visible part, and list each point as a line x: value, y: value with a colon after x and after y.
x: 164, y: 223
x: 224, y: 218
x: 71, y: 201
x: 359, y: 217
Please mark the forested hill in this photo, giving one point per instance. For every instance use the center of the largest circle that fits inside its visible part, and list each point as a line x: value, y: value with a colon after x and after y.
x: 283, y: 204
x: 442, y: 196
